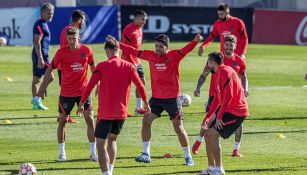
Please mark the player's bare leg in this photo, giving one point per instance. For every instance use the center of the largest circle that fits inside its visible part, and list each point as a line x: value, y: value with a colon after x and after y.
x: 112, y: 150
x: 139, y: 107
x: 183, y: 139
x: 61, y: 133
x: 103, y: 156
x: 35, y: 83
x: 89, y: 119
x: 238, y: 136
x: 146, y: 135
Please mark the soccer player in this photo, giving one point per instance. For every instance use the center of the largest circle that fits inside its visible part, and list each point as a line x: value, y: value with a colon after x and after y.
x: 115, y: 76
x: 227, y: 25
x: 74, y: 58
x: 229, y: 97
x: 238, y: 64
x: 78, y: 18
x: 132, y: 36
x: 40, y: 57
x: 164, y: 73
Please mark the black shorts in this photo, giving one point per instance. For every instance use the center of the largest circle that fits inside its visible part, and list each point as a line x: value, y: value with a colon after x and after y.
x: 60, y: 76
x: 105, y: 127
x: 171, y: 105
x: 66, y: 104
x: 140, y: 70
x: 232, y: 122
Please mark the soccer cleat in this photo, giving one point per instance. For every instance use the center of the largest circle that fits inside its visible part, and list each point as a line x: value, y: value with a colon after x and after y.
x: 206, y: 172
x: 219, y: 172
x: 94, y: 157
x: 71, y: 120
x: 196, y: 146
x: 189, y: 161
x: 236, y: 153
x: 139, y: 111
x: 35, y: 107
x: 39, y: 104
x: 143, y: 158
x: 62, y: 158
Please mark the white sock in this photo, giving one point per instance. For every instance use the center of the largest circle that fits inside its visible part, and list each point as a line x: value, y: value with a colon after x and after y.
x: 186, y: 151
x: 36, y: 98
x: 200, y: 138
x: 236, y: 145
x: 106, y: 173
x: 62, y: 148
x: 146, y: 146
x: 139, y: 103
x: 93, y: 148
x: 111, y: 167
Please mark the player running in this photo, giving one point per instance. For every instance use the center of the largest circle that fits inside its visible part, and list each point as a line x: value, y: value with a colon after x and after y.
x: 164, y: 73
x: 74, y: 58
x: 132, y: 36
x: 115, y: 76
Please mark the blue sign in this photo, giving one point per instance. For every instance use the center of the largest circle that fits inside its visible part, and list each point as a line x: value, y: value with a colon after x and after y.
x: 100, y: 22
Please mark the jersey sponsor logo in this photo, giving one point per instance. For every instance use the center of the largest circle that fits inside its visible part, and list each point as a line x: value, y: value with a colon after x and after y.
x: 160, y: 66
x: 76, y: 67
x: 226, y: 33
x: 301, y: 33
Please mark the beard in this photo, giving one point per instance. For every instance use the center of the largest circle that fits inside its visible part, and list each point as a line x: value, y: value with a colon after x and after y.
x: 212, y: 72
x: 223, y: 19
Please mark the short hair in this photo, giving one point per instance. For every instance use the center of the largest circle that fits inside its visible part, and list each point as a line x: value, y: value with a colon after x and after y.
x: 162, y: 39
x: 47, y: 6
x: 77, y: 15
x: 111, y: 45
x: 216, y: 57
x: 223, y: 7
x: 72, y: 31
x: 140, y: 13
x: 231, y: 38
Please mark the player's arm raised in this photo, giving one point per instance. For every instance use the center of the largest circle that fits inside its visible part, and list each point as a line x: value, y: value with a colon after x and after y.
x: 207, y: 42
x: 190, y: 46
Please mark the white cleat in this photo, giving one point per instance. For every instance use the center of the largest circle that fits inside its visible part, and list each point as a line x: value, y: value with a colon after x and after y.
x: 94, y: 157
x: 62, y: 158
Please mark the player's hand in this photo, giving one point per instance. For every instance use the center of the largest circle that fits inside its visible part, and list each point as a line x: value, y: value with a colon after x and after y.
x: 219, y: 124
x: 198, y: 37
x: 111, y: 38
x: 147, y: 107
x: 246, y: 93
x: 197, y: 92
x: 200, y: 51
x: 80, y: 109
x: 40, y: 64
x: 42, y: 93
x: 242, y: 56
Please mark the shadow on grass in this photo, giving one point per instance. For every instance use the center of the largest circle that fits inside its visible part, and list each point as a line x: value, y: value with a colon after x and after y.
x: 12, y: 110
x: 26, y: 118
x: 27, y: 124
x: 201, y: 114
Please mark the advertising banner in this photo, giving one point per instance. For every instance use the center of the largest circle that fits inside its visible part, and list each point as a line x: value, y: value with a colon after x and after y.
x: 181, y: 23
x: 280, y: 27
x: 17, y: 24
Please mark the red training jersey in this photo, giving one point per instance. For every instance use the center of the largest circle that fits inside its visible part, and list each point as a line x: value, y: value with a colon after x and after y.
x: 237, y: 63
x: 132, y: 36
x: 74, y: 69
x: 229, y: 94
x: 164, y: 69
x: 115, y: 76
x: 234, y: 26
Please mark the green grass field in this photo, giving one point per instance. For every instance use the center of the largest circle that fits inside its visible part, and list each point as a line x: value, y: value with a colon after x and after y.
x: 277, y: 103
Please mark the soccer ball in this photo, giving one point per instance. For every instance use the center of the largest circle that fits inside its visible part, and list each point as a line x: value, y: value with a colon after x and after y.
x: 185, y: 100
x: 27, y: 169
x: 3, y: 41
